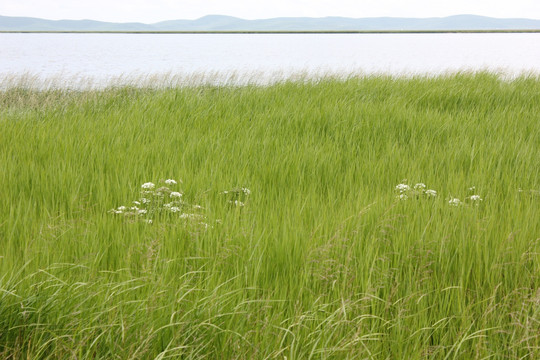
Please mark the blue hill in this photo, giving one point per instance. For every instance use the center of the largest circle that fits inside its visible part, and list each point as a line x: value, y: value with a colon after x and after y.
x: 229, y: 23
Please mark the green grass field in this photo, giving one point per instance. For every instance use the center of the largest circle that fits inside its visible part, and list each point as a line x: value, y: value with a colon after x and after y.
x: 320, y: 259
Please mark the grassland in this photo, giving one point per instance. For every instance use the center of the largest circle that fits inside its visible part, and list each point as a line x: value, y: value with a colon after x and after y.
x: 323, y: 261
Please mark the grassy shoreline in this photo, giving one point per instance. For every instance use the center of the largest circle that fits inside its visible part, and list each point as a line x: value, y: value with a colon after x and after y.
x: 321, y: 260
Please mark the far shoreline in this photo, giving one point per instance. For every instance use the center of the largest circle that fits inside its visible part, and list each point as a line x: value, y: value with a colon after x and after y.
x: 492, y: 31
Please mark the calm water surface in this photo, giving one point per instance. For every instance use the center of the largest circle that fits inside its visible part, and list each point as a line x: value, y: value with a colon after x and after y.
x: 261, y: 57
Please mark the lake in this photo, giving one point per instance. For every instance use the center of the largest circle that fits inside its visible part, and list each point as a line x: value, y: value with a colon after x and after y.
x: 99, y: 59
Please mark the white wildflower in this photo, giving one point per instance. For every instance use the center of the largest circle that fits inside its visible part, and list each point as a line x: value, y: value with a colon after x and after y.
x: 145, y: 200
x: 176, y: 194
x: 475, y: 198
x: 121, y: 208
x: 403, y: 187
x: 246, y: 191
x: 167, y: 206
x: 430, y: 192
x: 237, y: 203
x: 174, y: 209
x: 148, y: 185
x: 142, y: 211
x: 137, y: 203
x: 134, y: 208
x: 170, y: 182
x: 148, y: 221
x: 420, y: 186
x: 198, y: 207
x: 225, y: 192
x: 403, y: 197
x: 117, y: 211
x: 454, y: 202
x: 472, y: 188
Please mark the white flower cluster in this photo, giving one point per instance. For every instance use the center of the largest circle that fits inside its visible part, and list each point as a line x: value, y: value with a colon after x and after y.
x: 165, y: 203
x: 148, y: 185
x: 237, y: 196
x: 419, y: 189
x: 153, y: 204
x: 430, y: 192
x: 472, y: 199
x: 403, y: 188
x: 454, y: 202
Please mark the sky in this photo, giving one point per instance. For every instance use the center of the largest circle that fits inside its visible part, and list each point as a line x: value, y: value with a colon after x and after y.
x: 150, y: 11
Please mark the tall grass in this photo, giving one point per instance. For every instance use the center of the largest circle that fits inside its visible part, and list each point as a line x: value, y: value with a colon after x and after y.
x: 323, y: 261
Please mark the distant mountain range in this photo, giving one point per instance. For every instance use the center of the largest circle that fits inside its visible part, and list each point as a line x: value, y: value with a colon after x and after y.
x: 228, y: 23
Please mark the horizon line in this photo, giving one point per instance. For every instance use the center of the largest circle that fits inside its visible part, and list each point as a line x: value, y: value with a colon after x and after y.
x: 483, y: 31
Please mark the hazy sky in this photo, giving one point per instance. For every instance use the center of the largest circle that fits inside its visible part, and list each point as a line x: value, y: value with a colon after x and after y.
x: 149, y: 11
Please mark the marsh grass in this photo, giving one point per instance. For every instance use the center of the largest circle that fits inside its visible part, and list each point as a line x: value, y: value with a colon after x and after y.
x: 77, y: 82
x: 322, y: 262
